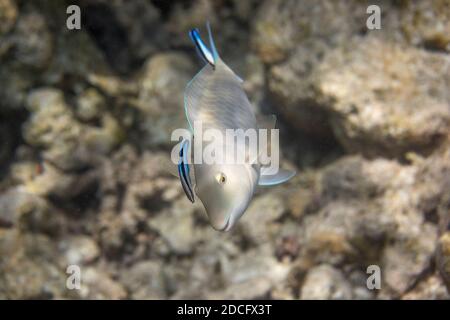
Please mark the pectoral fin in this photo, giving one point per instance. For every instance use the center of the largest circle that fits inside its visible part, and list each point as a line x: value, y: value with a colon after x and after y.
x: 184, y: 171
x: 281, y: 176
x: 167, y: 165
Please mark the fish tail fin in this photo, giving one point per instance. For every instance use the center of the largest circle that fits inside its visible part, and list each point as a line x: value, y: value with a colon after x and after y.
x: 202, y: 50
x: 211, y: 44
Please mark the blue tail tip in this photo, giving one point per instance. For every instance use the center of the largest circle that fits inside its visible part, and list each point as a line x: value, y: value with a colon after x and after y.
x: 194, y: 33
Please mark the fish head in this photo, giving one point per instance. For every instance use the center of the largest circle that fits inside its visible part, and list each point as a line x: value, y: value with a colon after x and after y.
x: 225, y: 191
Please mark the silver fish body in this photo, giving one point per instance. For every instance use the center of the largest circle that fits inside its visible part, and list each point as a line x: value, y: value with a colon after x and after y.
x: 222, y: 104
x: 216, y: 99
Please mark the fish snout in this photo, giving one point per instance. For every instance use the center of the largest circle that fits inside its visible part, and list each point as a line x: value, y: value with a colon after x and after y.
x: 219, y: 224
x: 225, y: 219
x: 220, y: 218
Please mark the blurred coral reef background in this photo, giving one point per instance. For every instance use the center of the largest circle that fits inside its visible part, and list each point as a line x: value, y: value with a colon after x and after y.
x: 86, y: 117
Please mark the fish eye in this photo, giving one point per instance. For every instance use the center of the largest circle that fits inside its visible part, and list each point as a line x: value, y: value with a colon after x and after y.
x: 221, y: 178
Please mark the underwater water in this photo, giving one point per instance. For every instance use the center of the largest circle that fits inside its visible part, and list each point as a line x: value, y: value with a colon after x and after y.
x: 86, y: 116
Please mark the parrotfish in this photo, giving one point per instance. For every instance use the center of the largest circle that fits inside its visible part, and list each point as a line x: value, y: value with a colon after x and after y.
x: 215, y: 98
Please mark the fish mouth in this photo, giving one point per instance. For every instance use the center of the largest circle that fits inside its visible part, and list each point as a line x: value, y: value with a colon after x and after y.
x: 227, y: 226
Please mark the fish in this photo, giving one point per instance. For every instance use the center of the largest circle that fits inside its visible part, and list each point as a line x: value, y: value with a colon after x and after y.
x: 215, y: 98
